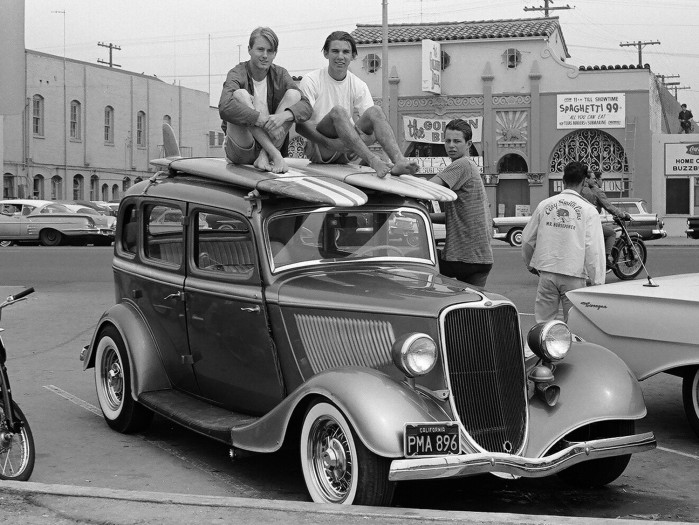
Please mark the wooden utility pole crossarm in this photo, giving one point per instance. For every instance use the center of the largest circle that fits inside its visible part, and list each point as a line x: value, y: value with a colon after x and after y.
x: 640, y: 45
x: 111, y: 48
x: 546, y: 8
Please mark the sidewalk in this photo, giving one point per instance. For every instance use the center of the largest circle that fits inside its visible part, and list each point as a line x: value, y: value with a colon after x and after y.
x: 41, y: 504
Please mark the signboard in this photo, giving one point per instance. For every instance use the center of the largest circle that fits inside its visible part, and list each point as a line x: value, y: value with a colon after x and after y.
x: 522, y: 210
x: 431, y: 130
x: 431, y: 67
x: 682, y: 159
x: 437, y: 164
x: 591, y: 110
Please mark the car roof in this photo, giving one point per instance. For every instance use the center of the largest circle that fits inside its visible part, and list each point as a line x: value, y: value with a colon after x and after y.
x: 31, y: 202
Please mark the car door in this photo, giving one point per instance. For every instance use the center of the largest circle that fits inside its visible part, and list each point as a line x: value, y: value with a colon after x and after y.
x: 159, y: 289
x: 235, y: 360
x: 10, y: 220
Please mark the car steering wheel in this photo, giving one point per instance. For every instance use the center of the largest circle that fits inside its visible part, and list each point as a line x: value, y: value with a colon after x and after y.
x: 370, y: 249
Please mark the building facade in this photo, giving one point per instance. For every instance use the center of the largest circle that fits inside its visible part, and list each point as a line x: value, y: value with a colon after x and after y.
x: 89, y: 131
x: 531, y: 111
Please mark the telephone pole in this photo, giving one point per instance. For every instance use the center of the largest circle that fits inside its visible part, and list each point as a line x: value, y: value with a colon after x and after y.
x: 546, y: 8
x: 640, y: 45
x: 663, y: 77
x: 676, y: 88
x: 111, y: 48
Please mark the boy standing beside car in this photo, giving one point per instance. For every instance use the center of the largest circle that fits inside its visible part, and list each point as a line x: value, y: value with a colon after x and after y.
x: 562, y: 243
x: 258, y: 105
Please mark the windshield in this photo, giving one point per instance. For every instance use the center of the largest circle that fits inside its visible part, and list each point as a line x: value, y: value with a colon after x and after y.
x: 333, y: 235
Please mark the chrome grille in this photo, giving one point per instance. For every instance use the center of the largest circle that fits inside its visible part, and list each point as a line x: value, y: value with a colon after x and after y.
x: 332, y: 342
x: 486, y: 374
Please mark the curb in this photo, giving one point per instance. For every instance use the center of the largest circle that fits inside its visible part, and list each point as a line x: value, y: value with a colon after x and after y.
x: 325, y: 512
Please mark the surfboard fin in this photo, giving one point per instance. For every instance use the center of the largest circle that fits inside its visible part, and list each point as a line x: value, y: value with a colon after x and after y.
x: 172, y: 149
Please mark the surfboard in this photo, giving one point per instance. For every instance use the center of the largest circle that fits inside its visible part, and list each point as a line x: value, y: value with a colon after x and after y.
x: 365, y: 177
x: 297, y: 185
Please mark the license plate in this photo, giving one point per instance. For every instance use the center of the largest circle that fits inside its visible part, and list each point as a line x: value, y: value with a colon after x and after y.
x: 431, y: 439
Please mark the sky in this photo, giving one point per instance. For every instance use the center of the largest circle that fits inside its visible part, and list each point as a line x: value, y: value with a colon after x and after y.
x: 195, y: 43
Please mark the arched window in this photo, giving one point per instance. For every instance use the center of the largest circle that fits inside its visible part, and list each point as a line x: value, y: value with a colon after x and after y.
x: 598, y: 150
x: 115, y: 191
x: 78, y: 188
x: 94, y: 188
x: 105, y: 192
x: 141, y: 129
x: 38, y: 116
x: 109, y: 125
x: 512, y: 163
x: 56, y: 188
x: 137, y: 180
x: 38, y: 190
x: 8, y: 186
x: 75, y: 117
x: 125, y: 184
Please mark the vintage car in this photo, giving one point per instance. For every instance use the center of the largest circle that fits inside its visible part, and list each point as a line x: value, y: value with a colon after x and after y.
x: 643, y: 222
x: 315, y: 326
x: 692, y: 230
x: 51, y: 224
x: 660, y: 336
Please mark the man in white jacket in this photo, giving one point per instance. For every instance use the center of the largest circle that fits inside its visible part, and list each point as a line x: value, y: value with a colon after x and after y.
x: 563, y: 244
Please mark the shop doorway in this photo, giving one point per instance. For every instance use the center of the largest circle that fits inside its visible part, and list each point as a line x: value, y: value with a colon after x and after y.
x: 512, y: 197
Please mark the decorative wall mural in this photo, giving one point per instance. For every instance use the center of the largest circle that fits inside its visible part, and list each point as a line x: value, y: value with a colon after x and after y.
x: 597, y: 149
x: 512, y: 128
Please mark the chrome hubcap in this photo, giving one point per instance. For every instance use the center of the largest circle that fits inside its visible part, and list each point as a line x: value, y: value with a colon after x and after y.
x: 331, y: 459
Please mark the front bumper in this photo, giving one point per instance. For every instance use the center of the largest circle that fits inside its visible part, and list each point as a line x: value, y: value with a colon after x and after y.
x: 471, y: 464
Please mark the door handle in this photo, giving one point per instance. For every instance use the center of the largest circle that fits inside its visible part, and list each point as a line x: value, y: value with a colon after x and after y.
x: 253, y: 309
x: 177, y: 295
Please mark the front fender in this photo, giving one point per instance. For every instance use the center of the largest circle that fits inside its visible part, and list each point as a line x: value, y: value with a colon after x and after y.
x: 375, y: 405
x: 147, y: 371
x: 595, y: 386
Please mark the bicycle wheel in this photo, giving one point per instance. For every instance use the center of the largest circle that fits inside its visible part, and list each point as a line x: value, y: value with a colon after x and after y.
x: 629, y: 259
x: 16, y: 448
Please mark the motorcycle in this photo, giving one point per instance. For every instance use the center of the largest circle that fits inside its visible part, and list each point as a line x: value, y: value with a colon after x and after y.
x: 629, y: 252
x: 17, y: 453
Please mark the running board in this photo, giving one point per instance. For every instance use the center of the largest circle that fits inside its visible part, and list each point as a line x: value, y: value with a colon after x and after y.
x: 194, y: 414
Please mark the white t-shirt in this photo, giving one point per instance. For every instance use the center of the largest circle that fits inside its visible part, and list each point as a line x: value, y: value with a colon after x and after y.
x: 324, y: 92
x: 260, y: 96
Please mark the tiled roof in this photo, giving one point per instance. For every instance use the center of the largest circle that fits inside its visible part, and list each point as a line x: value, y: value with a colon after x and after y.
x: 440, y: 31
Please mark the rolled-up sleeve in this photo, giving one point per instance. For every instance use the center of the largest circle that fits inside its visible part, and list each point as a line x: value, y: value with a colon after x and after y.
x: 302, y: 110
x: 229, y: 109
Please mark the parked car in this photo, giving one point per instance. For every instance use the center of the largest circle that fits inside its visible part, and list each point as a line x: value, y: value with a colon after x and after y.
x: 692, y: 230
x: 643, y: 222
x: 660, y: 334
x: 317, y: 327
x: 51, y: 224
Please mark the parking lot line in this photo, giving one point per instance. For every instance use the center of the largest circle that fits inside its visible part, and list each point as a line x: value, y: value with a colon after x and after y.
x: 241, y: 489
x: 692, y: 456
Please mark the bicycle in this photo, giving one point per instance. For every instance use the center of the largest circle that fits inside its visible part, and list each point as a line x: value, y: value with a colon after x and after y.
x: 17, y: 453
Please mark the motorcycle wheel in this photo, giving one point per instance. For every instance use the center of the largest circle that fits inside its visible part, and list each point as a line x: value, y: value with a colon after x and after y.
x: 629, y: 259
x: 16, y: 448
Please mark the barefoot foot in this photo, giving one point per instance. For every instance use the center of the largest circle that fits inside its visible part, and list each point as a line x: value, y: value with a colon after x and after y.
x: 262, y: 162
x: 379, y: 166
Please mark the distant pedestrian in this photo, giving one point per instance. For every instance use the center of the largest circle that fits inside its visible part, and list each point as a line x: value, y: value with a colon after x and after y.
x: 685, y: 120
x: 562, y: 243
x: 467, y: 254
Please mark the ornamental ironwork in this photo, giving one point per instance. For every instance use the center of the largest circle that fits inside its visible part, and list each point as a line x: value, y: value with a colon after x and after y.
x: 535, y: 179
x: 598, y: 150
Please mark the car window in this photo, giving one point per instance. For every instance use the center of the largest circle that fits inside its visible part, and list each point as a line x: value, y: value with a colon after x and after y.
x: 129, y: 230
x: 348, y: 235
x: 9, y: 209
x: 164, y: 237
x: 27, y: 209
x: 228, y: 249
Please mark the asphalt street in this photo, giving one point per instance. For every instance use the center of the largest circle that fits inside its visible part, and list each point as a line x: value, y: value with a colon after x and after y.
x: 89, y: 474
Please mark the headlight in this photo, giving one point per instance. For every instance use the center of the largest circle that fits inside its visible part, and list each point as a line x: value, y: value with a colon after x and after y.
x: 550, y: 340
x: 415, y: 354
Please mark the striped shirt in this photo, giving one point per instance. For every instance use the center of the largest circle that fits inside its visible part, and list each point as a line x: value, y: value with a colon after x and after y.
x: 469, y: 225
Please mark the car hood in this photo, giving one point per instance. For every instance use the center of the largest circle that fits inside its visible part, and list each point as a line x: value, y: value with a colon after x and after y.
x: 378, y: 289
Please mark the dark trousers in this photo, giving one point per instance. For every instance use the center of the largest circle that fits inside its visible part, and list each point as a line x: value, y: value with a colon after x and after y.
x: 474, y: 274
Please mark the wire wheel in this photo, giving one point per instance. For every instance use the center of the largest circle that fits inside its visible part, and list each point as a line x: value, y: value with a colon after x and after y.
x: 16, y: 448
